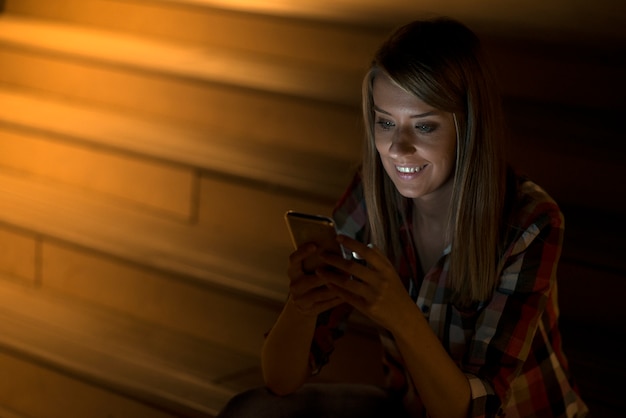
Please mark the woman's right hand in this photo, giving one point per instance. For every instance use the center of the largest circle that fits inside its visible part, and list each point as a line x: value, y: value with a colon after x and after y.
x: 308, y: 291
x: 286, y: 350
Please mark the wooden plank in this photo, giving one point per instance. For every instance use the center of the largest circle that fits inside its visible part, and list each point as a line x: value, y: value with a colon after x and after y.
x: 149, y: 184
x: 6, y: 413
x: 204, y: 312
x: 18, y: 254
x: 279, y: 163
x: 333, y: 44
x: 218, y: 64
x: 558, y: 19
x: 105, y: 352
x: 106, y: 227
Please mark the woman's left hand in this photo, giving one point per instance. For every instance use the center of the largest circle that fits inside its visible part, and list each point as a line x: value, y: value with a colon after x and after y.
x: 374, y: 288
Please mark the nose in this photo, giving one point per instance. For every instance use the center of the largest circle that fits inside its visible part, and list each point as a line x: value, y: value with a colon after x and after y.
x: 401, y: 145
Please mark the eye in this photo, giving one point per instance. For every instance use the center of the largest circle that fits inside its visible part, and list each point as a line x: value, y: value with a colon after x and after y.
x: 426, y: 128
x: 385, y: 124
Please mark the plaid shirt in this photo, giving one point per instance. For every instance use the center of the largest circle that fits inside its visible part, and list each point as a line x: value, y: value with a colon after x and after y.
x: 508, y: 347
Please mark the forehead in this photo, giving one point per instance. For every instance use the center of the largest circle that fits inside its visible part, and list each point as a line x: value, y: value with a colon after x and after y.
x: 388, y: 95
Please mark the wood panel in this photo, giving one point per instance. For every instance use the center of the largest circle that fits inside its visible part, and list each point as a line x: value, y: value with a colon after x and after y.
x: 156, y: 297
x: 19, y: 254
x: 158, y: 255
x: 204, y: 24
x: 152, y: 184
x: 38, y: 392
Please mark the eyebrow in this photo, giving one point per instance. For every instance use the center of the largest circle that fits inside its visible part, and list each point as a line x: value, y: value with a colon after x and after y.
x: 419, y: 115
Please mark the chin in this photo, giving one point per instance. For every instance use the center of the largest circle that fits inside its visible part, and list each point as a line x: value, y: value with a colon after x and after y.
x: 410, y: 194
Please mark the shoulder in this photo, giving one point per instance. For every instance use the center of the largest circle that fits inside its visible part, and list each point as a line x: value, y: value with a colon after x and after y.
x: 533, y: 204
x: 533, y: 212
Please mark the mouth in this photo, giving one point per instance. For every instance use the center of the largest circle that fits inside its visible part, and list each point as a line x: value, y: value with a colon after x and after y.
x: 410, y: 169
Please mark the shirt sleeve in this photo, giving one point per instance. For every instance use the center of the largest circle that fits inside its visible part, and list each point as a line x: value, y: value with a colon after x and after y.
x: 330, y: 326
x: 513, y: 330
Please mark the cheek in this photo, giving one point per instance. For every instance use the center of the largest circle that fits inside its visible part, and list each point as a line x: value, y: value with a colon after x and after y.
x: 448, y: 159
x: 450, y: 163
x: 448, y: 149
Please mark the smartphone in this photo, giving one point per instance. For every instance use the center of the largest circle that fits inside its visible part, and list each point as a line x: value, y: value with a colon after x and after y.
x: 305, y: 228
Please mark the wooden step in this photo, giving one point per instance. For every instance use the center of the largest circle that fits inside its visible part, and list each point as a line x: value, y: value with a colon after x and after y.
x: 121, y: 133
x: 229, y: 315
x: 215, y: 110
x: 6, y: 413
x: 531, y: 19
x: 104, y: 226
x: 531, y: 61
x: 35, y: 391
x: 123, y: 355
x: 234, y: 98
x: 143, y: 362
x: 203, y: 63
x: 212, y: 239
x: 295, y: 128
x: 313, y: 39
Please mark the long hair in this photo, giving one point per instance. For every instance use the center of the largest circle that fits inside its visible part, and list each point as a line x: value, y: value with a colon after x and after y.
x: 441, y: 62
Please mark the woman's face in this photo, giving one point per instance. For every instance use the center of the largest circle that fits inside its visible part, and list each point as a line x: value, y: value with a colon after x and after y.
x: 415, y: 141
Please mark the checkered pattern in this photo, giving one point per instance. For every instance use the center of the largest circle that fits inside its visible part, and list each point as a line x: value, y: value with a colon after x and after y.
x: 509, y: 347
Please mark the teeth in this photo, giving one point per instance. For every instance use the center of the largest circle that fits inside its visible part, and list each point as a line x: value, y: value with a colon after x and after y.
x: 408, y: 170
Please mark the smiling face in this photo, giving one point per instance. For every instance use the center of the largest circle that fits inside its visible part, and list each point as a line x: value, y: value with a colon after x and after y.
x: 415, y: 141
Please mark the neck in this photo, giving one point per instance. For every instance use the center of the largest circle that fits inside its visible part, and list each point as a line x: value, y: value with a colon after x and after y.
x: 433, y: 211
x: 431, y: 225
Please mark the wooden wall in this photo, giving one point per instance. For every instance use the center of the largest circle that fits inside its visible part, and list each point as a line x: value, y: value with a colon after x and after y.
x: 148, y: 151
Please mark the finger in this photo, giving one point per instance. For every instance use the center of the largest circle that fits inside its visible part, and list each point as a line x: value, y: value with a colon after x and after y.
x: 352, y: 298
x: 322, y: 306
x: 350, y: 283
x: 352, y: 244
x: 302, y: 252
x: 319, y: 307
x: 305, y: 283
x: 348, y: 267
x: 317, y: 300
x: 374, y: 258
x: 297, y: 257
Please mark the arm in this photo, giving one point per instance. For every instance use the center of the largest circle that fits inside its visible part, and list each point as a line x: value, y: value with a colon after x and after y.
x: 379, y: 294
x: 442, y: 386
x: 285, y: 354
x: 286, y: 350
x: 519, y: 337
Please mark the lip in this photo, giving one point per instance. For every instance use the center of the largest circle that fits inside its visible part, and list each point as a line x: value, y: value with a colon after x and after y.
x: 409, y: 172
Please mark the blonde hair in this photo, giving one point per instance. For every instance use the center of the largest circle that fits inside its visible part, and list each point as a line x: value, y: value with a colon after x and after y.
x: 441, y: 62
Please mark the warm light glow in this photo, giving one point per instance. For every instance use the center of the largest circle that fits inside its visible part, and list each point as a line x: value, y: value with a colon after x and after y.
x: 538, y: 14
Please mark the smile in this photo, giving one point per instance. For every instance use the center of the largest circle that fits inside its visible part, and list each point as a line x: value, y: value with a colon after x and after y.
x: 409, y: 170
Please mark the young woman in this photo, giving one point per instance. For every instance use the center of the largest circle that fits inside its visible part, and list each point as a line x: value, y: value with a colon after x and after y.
x: 460, y: 273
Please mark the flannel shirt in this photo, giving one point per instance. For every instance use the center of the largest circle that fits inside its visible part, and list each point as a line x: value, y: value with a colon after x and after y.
x: 509, y: 347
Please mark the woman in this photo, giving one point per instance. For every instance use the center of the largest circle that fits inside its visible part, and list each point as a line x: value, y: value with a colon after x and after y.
x: 461, y: 276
